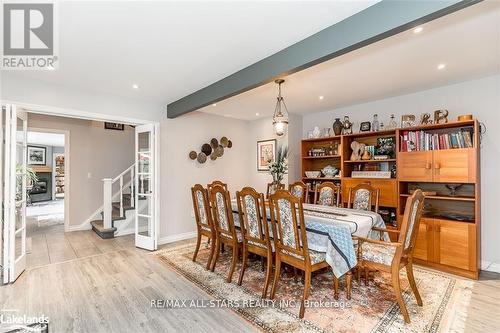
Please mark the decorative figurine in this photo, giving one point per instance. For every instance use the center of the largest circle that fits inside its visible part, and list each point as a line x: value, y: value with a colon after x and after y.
x: 316, y: 132
x: 441, y: 116
x: 357, y: 150
x: 347, y: 126
x: 425, y: 119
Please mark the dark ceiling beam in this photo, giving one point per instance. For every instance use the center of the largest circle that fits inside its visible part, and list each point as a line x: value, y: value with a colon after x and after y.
x: 382, y: 20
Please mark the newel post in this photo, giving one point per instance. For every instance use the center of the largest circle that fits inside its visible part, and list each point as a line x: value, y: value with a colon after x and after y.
x: 107, y: 199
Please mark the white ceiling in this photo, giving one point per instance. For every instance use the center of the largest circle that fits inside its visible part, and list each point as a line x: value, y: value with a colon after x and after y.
x: 46, y: 139
x: 468, y: 42
x: 172, y: 48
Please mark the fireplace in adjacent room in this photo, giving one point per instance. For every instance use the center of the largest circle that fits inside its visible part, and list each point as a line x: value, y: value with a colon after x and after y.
x: 42, y: 189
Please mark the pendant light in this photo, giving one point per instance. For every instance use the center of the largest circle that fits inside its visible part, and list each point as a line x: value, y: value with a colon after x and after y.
x: 280, y: 116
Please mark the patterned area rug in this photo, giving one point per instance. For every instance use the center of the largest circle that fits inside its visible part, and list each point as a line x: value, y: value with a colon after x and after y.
x: 372, y: 308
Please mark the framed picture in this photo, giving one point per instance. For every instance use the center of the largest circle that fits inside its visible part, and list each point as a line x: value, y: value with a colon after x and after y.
x: 266, y: 153
x: 37, y: 155
x: 365, y: 126
x: 408, y: 120
x: 114, y: 126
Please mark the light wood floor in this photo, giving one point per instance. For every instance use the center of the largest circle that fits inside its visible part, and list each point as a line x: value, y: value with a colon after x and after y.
x: 109, y: 288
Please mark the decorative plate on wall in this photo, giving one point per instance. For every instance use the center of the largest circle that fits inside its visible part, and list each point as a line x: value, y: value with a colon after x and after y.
x: 193, y: 155
x: 206, y: 149
x: 224, y: 141
x: 214, y: 143
x: 202, y: 158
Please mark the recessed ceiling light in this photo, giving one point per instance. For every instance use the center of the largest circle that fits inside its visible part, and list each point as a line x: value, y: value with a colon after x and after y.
x: 257, y: 114
x: 215, y: 104
x: 441, y: 66
x: 321, y: 97
x: 135, y: 86
x: 418, y: 30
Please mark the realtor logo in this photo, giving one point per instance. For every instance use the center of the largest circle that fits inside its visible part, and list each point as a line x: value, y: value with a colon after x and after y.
x: 29, y: 36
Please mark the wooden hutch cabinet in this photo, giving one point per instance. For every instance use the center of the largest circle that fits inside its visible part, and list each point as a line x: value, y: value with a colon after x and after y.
x: 448, y: 173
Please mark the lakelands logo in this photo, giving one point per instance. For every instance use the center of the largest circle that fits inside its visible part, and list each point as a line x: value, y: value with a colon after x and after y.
x: 29, y: 36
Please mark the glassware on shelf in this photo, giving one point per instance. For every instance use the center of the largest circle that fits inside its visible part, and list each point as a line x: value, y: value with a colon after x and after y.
x: 392, y: 123
x: 375, y: 123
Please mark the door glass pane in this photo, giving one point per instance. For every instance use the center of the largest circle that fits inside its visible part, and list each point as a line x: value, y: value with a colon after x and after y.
x: 144, y: 159
x: 144, y: 226
x: 144, y: 185
x: 144, y: 142
x: 18, y: 245
x: 19, y: 216
x: 144, y: 205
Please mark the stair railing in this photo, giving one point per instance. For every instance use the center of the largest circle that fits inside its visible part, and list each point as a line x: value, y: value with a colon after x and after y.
x: 108, y: 194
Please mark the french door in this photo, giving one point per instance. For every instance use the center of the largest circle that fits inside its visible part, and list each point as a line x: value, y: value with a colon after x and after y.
x: 14, y: 195
x: 146, y: 186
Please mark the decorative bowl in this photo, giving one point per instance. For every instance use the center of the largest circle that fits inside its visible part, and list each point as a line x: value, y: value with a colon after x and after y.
x: 313, y: 174
x: 329, y: 171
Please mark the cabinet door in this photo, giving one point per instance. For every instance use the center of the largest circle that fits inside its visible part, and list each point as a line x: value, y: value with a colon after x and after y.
x: 415, y: 166
x: 454, y: 165
x: 455, y: 244
x: 423, y: 246
x: 388, y: 189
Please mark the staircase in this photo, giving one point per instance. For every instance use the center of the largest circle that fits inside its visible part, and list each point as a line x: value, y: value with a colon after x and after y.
x: 118, y: 210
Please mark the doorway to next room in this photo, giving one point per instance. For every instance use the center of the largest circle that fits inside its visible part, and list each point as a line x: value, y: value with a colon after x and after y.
x: 45, y: 213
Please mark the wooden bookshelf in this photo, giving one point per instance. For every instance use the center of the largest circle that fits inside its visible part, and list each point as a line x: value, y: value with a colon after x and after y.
x: 449, y: 234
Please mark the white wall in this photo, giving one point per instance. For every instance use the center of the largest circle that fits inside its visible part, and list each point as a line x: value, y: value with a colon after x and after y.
x: 179, y: 173
x: 478, y: 97
x: 93, y: 151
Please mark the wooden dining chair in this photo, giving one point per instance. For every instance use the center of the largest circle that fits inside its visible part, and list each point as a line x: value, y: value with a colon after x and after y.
x: 225, y: 231
x: 216, y: 183
x: 363, y: 197
x: 273, y: 187
x: 327, y: 194
x: 255, y: 230
x: 290, y: 240
x: 299, y: 190
x: 391, y: 257
x: 203, y: 216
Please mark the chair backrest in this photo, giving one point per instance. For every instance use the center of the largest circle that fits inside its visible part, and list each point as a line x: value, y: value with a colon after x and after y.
x: 216, y: 183
x: 273, y: 187
x: 363, y: 197
x: 222, y: 213
x: 327, y: 194
x: 253, y: 218
x: 411, y: 221
x: 287, y: 215
x: 201, y: 207
x: 299, y: 190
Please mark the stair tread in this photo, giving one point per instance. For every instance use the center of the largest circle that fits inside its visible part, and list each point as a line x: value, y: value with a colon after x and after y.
x: 99, y: 225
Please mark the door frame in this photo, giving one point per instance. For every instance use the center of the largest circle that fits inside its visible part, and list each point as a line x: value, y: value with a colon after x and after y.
x: 67, y: 164
x: 86, y: 115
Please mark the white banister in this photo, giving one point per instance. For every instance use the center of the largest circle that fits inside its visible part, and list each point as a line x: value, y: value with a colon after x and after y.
x: 132, y: 185
x: 121, y: 196
x: 108, y: 194
x: 108, y: 204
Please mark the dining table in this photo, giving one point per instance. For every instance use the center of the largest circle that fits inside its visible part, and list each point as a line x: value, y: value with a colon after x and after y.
x: 331, y: 230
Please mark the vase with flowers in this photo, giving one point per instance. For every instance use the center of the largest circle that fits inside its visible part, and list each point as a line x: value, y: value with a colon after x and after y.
x: 279, y: 166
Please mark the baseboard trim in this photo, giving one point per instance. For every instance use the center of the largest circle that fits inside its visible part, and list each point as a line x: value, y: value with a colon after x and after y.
x: 176, y: 238
x: 490, y: 266
x: 84, y: 226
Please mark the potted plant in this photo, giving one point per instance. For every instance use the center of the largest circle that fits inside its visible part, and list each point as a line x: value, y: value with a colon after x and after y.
x: 279, y: 166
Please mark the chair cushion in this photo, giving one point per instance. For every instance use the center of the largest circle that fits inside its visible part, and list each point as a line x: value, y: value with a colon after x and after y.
x: 378, y: 253
x: 315, y: 256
